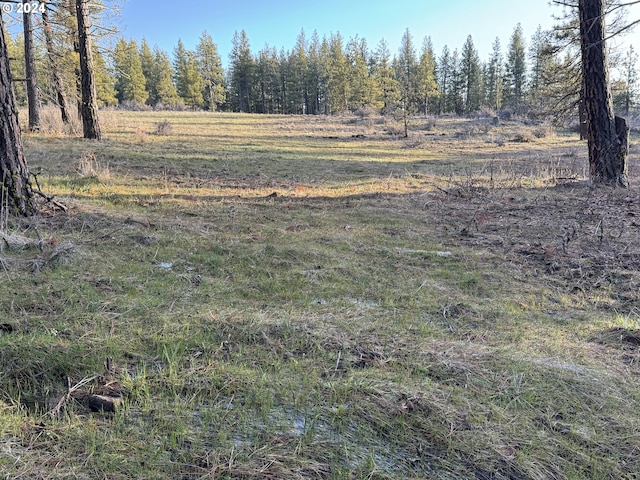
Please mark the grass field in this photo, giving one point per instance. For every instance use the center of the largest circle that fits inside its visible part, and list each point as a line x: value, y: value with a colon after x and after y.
x: 319, y: 297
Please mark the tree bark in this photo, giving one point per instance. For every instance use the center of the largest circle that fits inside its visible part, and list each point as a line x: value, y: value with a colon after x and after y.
x: 16, y: 192
x: 90, y: 122
x: 53, y: 66
x: 33, y: 94
x: 607, y: 137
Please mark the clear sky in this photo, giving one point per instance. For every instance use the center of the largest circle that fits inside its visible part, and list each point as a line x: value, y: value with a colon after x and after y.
x: 278, y: 22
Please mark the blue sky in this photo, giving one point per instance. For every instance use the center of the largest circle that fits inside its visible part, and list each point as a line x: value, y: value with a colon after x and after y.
x: 278, y: 22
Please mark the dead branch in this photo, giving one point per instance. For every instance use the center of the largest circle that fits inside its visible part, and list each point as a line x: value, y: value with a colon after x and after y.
x: 58, y: 252
x: 17, y: 242
x: 70, y: 391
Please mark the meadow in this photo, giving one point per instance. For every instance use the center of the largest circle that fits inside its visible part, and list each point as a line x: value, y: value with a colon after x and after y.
x: 244, y: 296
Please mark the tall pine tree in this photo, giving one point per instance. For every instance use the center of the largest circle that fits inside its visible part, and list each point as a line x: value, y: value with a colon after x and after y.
x: 407, y: 72
x: 163, y: 91
x: 471, y: 75
x: 242, y: 69
x: 210, y: 68
x: 493, y: 76
x: 427, y: 86
x: 130, y: 80
x: 384, y: 75
x: 515, y: 70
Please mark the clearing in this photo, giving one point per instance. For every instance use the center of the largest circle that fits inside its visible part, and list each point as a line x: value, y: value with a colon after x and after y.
x: 318, y: 297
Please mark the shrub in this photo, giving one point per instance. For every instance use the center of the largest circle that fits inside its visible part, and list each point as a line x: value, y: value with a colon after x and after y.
x: 141, y: 135
x: 164, y: 128
x: 365, y: 112
x: 523, y: 135
x: 134, y: 106
x: 90, y: 166
x: 51, y: 122
x: 544, y: 130
x: 394, y: 128
x: 488, y: 112
x: 430, y: 123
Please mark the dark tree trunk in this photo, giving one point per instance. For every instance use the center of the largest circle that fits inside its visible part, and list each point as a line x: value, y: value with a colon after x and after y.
x: 53, y: 66
x: 33, y: 94
x: 607, y: 136
x: 90, y: 123
x: 15, y: 187
x: 582, y: 115
x: 73, y: 31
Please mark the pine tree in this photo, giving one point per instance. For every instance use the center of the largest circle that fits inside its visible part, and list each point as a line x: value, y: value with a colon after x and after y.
x: 33, y: 91
x: 147, y: 62
x: 337, y: 76
x: 407, y: 72
x: 187, y: 77
x: 105, y: 83
x: 15, y: 47
x: 210, y: 68
x: 163, y: 90
x: 427, y: 86
x: 361, y: 84
x: 471, y: 76
x: 607, y: 135
x: 384, y: 75
x: 455, y: 97
x: 56, y: 77
x: 268, y: 74
x: 88, y: 98
x: 630, y: 81
x: 298, y: 64
x: 14, y: 173
x: 515, y: 70
x: 324, y: 75
x: 493, y: 77
x: 242, y: 69
x: 192, y: 83
x: 313, y: 79
x: 444, y: 70
x: 541, y: 59
x: 130, y: 80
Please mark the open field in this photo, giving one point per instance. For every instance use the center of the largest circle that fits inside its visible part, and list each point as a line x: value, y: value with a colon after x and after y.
x: 318, y: 297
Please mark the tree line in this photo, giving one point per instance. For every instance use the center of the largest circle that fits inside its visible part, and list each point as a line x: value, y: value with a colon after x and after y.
x: 317, y: 75
x: 568, y: 68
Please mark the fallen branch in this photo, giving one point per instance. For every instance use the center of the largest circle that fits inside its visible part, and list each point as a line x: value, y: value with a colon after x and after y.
x: 49, y: 199
x: 70, y: 391
x: 38, y: 265
x: 17, y: 242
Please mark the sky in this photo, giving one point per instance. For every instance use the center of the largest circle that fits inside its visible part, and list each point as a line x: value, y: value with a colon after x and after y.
x: 278, y: 23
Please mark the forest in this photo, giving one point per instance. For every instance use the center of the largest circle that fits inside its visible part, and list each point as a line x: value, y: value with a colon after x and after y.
x: 538, y: 76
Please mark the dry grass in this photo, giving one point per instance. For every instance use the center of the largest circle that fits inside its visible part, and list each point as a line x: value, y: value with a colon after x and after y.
x: 90, y: 167
x: 51, y: 122
x: 164, y: 128
x: 291, y: 297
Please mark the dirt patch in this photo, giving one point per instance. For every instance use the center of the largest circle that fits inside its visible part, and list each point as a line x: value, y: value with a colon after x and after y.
x: 585, y: 237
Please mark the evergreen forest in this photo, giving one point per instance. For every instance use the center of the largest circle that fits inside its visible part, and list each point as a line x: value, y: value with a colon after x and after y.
x: 536, y: 75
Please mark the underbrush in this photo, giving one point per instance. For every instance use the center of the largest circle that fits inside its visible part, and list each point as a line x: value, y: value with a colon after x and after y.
x: 285, y: 299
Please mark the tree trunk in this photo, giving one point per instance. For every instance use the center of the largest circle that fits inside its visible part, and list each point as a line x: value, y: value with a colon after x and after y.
x: 90, y: 123
x: 33, y: 94
x: 607, y: 137
x: 582, y: 115
x: 16, y: 193
x: 53, y: 66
